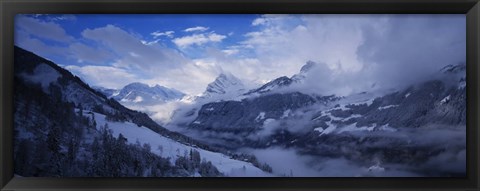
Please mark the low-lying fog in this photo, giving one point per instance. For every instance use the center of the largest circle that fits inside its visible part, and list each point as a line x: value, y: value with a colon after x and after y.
x: 449, y: 160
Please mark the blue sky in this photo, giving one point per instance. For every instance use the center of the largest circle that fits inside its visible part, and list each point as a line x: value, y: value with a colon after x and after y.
x: 186, y: 52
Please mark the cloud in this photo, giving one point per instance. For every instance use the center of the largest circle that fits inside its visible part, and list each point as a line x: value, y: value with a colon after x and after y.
x: 259, y: 21
x: 271, y: 19
x: 191, y: 78
x: 66, y: 17
x: 158, y: 34
x: 231, y: 51
x: 83, y: 53
x: 55, y: 17
x: 133, y: 54
x: 408, y: 48
x: 198, y: 39
x: 355, y: 51
x: 23, y: 40
x: 197, y: 28
x: 36, y: 35
x: 352, y: 51
x: 285, y: 42
x: 150, y: 42
x: 97, y: 75
x: 42, y: 29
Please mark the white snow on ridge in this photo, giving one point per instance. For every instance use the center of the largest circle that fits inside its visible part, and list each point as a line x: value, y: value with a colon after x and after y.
x: 319, y: 129
x: 173, y: 149
x: 387, y: 107
x: 286, y: 113
x: 329, y: 129
x: 368, y: 102
x: 351, y: 117
x: 445, y: 100
x: 260, y: 116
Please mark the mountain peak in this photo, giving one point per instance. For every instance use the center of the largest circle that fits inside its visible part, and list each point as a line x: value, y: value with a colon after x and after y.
x: 274, y: 84
x: 225, y: 83
x: 137, y: 84
x: 303, y: 71
x: 308, y: 66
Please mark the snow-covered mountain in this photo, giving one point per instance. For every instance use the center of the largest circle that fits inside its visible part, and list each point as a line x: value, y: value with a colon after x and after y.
x: 363, y: 127
x: 157, y: 101
x: 140, y: 93
x: 63, y: 127
x: 275, y: 84
x: 414, y: 106
x: 284, y: 81
x: 303, y: 71
x: 226, y: 85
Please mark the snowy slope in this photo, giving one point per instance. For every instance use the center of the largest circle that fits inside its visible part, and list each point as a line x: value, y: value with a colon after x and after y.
x: 174, y: 149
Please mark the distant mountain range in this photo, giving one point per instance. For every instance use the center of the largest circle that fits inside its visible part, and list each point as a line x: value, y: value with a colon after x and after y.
x: 140, y: 93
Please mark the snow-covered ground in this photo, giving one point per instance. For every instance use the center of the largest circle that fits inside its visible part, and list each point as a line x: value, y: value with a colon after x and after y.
x: 167, y: 147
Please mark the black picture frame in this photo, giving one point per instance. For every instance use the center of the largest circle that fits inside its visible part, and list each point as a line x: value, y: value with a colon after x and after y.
x: 9, y: 8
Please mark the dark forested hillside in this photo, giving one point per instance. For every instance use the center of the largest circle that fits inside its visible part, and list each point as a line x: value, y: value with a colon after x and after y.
x: 57, y: 132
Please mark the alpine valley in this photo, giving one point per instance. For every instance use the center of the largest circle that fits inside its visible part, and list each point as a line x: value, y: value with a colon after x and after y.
x: 65, y: 127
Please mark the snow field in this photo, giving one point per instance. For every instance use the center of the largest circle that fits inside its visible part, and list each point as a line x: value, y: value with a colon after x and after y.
x: 166, y: 147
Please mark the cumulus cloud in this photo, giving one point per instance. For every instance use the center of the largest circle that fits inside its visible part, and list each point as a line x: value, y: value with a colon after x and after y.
x: 121, y: 56
x: 231, y: 51
x: 353, y: 52
x: 22, y: 39
x: 198, y: 39
x: 356, y: 51
x: 134, y: 54
x: 408, y: 48
x: 97, y: 75
x: 191, y: 78
x: 66, y: 17
x: 197, y: 28
x: 42, y: 29
x: 158, y: 34
x: 83, y: 53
